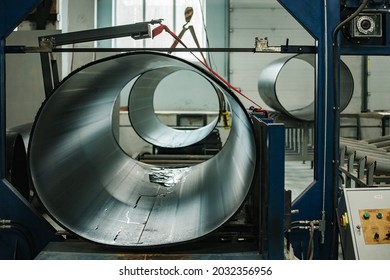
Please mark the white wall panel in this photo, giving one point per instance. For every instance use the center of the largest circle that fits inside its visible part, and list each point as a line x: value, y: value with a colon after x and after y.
x: 277, y: 25
x: 379, y: 83
x: 247, y: 24
x: 24, y: 81
x: 267, y: 19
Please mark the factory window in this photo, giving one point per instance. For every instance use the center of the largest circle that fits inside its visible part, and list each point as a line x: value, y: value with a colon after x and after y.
x: 172, y: 13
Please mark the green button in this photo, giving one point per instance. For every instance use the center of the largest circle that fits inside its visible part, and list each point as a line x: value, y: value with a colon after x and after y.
x: 379, y: 215
x: 366, y: 216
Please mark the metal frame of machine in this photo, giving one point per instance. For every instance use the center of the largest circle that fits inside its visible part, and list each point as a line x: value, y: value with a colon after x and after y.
x: 322, y: 20
x: 33, y: 234
x: 318, y: 203
x: 272, y: 241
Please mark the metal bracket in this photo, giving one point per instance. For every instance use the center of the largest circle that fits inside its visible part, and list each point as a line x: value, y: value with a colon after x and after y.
x: 262, y: 46
x: 47, y: 43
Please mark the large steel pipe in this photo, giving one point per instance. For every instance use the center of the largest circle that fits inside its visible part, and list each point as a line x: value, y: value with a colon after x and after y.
x: 267, y: 87
x: 91, y: 187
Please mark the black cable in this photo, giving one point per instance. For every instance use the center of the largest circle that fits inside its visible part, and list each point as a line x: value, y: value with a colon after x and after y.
x: 24, y: 231
x: 27, y: 234
x: 336, y: 56
x: 310, y: 249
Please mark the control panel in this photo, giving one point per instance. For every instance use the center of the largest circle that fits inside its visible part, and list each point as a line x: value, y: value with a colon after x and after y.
x: 375, y: 225
x: 364, y: 223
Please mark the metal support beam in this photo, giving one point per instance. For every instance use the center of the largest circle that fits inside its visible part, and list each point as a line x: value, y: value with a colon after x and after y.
x: 276, y: 204
x: 15, y: 210
x: 270, y: 169
x: 320, y: 18
x: 12, y: 12
x: 2, y: 108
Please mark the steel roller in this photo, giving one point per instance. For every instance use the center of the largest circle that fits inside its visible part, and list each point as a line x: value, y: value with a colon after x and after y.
x: 268, y: 79
x: 92, y: 188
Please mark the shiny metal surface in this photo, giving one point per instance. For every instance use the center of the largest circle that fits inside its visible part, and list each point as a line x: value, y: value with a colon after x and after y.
x: 269, y: 77
x: 16, y: 158
x: 93, y: 189
x: 147, y: 124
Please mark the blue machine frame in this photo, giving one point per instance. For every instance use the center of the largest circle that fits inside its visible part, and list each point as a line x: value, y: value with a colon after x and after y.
x: 317, y: 202
x: 272, y: 149
x: 319, y: 18
x: 26, y: 231
x: 34, y: 233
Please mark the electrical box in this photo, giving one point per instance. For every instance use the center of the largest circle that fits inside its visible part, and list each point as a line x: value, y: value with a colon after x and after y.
x: 364, y: 223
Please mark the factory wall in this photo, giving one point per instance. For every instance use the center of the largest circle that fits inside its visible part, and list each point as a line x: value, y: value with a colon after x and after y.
x: 229, y: 24
x: 76, y: 16
x: 183, y: 93
x: 235, y: 24
x: 24, y: 81
x: 378, y: 83
x: 275, y: 23
x: 267, y: 19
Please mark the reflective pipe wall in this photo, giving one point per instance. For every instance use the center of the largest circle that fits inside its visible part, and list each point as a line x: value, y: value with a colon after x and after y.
x: 304, y: 109
x: 92, y: 188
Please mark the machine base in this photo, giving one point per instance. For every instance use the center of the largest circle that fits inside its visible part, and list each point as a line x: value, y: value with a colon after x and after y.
x: 81, y: 250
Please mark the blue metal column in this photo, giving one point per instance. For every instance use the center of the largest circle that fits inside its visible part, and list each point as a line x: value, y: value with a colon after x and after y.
x: 270, y: 183
x: 23, y: 231
x: 319, y: 18
x: 275, y: 213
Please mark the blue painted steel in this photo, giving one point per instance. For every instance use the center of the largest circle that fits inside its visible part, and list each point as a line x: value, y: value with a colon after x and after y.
x: 270, y: 167
x: 275, y: 209
x: 2, y: 108
x: 32, y: 233
x: 317, y: 202
x: 305, y: 12
x: 373, y: 4
x: 13, y: 12
x: 28, y: 232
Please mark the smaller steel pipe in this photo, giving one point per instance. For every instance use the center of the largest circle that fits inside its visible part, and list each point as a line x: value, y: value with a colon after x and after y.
x: 269, y: 77
x: 383, y: 144
x: 379, y: 139
x: 382, y: 163
x: 379, y: 153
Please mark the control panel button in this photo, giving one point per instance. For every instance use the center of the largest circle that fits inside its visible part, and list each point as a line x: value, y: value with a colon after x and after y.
x: 344, y: 220
x: 379, y: 215
x: 366, y: 215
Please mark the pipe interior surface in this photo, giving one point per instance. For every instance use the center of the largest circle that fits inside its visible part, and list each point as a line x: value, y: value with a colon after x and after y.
x: 267, y: 87
x: 92, y: 188
x: 145, y: 122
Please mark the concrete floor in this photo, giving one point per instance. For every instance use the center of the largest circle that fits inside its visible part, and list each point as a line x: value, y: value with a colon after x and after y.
x: 298, y: 176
